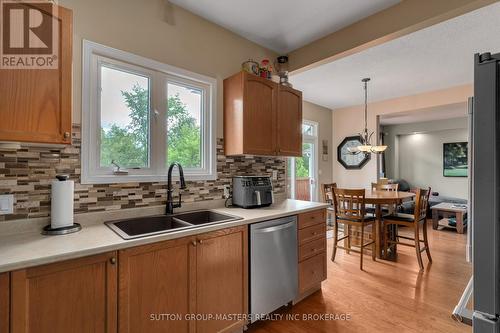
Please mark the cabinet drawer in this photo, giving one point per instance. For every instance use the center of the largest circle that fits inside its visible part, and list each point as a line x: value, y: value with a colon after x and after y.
x: 311, y: 218
x: 311, y: 233
x: 312, y: 248
x: 311, y: 272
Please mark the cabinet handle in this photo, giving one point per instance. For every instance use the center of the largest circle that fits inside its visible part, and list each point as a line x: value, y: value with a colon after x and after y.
x: 112, y: 260
x: 193, y: 243
x: 66, y: 135
x: 200, y: 241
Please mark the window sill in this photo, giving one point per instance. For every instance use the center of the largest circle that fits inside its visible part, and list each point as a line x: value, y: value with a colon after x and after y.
x: 114, y: 179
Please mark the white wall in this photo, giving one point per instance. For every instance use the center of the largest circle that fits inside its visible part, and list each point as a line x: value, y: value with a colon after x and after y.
x: 416, y: 154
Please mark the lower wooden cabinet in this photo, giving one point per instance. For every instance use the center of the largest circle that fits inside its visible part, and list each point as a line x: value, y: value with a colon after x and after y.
x: 312, y: 251
x: 311, y: 272
x: 71, y: 296
x: 155, y: 287
x: 176, y: 286
x: 192, y: 284
x: 222, y: 279
x: 4, y: 302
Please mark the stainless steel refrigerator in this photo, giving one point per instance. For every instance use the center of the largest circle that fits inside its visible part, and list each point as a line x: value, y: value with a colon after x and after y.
x: 486, y: 193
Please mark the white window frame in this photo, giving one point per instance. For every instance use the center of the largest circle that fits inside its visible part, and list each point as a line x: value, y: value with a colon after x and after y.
x: 159, y: 74
x: 312, y: 139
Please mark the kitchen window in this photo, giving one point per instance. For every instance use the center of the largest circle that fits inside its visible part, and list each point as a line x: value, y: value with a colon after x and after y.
x: 140, y: 115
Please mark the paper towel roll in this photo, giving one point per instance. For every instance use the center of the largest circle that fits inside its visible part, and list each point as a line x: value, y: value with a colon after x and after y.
x: 61, y: 207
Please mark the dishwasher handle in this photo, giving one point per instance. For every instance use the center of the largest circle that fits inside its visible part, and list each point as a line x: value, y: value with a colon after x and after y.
x: 276, y: 227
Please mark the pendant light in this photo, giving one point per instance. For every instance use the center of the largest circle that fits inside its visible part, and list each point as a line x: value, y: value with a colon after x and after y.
x: 366, y: 146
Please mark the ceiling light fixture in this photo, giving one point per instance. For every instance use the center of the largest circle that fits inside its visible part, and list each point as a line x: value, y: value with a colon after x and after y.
x: 366, y: 146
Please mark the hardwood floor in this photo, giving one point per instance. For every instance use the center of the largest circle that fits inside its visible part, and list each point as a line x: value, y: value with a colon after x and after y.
x: 386, y: 296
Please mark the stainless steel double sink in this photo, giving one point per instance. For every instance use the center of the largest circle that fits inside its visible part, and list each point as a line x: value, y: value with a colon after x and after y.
x: 154, y: 225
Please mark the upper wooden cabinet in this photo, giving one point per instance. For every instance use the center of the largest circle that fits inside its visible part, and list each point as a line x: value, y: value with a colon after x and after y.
x: 289, y: 123
x: 71, y: 296
x: 35, y: 104
x: 261, y: 117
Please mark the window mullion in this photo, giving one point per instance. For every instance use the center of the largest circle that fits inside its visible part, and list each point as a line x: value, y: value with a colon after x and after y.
x: 159, y: 113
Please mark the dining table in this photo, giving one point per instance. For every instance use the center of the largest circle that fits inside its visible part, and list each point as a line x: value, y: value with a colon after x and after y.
x: 378, y: 199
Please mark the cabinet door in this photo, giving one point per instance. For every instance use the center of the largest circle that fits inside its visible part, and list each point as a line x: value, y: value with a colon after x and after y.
x: 222, y: 278
x: 311, y: 272
x: 71, y: 296
x: 35, y: 104
x: 260, y: 103
x: 4, y: 302
x: 154, y: 280
x: 289, y: 122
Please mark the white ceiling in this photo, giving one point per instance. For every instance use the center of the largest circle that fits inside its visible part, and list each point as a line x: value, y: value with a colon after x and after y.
x: 457, y: 110
x: 284, y: 25
x: 437, y: 57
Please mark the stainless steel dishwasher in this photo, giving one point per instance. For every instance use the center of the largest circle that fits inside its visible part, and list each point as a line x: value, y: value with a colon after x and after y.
x: 273, y: 265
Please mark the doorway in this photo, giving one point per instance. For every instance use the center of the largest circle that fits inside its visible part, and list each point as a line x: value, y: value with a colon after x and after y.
x: 303, y: 171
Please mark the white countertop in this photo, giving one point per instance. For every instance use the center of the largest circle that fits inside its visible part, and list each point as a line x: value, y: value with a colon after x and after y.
x: 32, y: 249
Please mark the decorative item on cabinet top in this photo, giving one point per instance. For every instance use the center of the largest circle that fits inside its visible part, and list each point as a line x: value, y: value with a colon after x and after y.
x: 282, y: 67
x: 251, y: 67
x: 278, y: 73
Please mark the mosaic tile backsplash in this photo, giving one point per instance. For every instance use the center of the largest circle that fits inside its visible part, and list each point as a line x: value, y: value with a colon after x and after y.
x: 27, y: 173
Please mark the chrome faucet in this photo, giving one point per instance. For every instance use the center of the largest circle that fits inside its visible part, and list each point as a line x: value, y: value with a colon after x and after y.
x: 170, y: 202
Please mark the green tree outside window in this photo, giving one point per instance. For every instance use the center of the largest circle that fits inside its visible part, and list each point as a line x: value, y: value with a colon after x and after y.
x: 128, y: 145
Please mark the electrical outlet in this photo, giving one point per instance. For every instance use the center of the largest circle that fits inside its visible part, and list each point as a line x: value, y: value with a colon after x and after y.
x: 226, y: 192
x: 275, y: 174
x: 6, y: 204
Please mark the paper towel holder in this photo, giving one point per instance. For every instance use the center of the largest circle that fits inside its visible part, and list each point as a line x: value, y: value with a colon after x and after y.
x: 48, y: 230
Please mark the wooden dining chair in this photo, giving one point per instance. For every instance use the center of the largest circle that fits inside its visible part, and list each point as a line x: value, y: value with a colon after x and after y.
x: 386, y: 209
x: 327, y: 191
x: 350, y: 211
x: 388, y: 187
x: 419, y: 218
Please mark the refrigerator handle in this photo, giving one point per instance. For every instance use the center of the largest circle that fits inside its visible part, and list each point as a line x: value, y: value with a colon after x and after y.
x: 470, y: 207
x: 484, y: 323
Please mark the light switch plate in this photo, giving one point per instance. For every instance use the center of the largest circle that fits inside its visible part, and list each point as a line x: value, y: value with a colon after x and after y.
x: 6, y: 204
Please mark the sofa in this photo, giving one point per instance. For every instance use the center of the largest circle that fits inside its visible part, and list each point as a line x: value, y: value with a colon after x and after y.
x: 408, y: 207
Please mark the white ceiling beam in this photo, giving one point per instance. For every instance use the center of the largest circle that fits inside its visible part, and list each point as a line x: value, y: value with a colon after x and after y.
x: 391, y: 23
